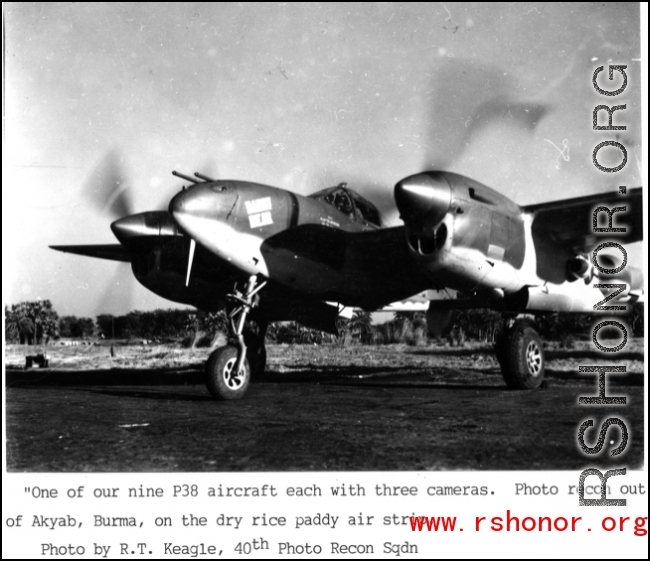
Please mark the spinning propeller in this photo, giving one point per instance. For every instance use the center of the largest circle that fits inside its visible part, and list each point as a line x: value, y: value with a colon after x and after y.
x: 108, y: 190
x: 465, y: 100
x: 106, y: 187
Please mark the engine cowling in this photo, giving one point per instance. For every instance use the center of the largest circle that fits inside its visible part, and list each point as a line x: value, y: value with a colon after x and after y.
x: 159, y: 251
x: 465, y: 235
x: 423, y: 201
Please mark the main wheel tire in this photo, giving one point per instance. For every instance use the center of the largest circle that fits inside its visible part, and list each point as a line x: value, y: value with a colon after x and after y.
x: 221, y: 380
x: 522, y: 358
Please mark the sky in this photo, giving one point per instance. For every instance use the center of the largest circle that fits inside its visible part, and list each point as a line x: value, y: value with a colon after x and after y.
x: 295, y: 95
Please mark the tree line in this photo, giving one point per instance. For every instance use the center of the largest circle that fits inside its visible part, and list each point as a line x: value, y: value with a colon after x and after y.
x: 35, y: 323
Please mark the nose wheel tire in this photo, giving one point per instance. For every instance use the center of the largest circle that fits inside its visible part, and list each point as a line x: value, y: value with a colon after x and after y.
x: 521, y: 355
x: 221, y: 379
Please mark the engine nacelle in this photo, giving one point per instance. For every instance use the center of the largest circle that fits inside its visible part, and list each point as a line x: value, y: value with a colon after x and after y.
x: 143, y: 234
x: 133, y: 229
x: 423, y: 201
x: 159, y: 254
x: 146, y: 263
x: 465, y: 235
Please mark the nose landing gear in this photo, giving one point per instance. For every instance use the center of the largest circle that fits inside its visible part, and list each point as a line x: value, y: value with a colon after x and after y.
x: 228, y: 371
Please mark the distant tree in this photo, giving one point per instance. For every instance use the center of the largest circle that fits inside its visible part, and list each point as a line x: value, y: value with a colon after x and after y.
x: 18, y: 326
x: 636, y: 319
x: 191, y: 327
x: 291, y: 332
x: 401, y: 326
x: 134, y: 325
x: 86, y: 327
x: 46, y: 321
x: 106, y: 325
x: 65, y: 326
x: 159, y: 324
x: 214, y: 324
x: 171, y: 323
x: 357, y: 328
x: 480, y: 324
x: 73, y: 326
x: 564, y: 326
x: 32, y: 322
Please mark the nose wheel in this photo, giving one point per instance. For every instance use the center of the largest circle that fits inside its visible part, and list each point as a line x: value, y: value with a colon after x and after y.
x: 223, y: 380
x: 228, y: 371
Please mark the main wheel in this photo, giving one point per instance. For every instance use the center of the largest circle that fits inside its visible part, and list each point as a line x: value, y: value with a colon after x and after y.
x: 221, y: 379
x: 521, y: 355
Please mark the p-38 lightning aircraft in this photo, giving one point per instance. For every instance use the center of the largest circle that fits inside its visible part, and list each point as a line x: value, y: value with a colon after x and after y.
x: 294, y: 257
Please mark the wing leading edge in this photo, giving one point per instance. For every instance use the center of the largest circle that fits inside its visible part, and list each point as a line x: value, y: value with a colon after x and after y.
x: 570, y: 221
x: 114, y: 252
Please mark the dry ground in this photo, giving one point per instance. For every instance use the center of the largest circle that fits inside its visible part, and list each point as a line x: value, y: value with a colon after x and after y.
x: 320, y: 408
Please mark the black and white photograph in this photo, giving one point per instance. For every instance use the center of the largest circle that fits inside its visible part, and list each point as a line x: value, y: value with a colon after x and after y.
x: 323, y: 238
x: 318, y: 236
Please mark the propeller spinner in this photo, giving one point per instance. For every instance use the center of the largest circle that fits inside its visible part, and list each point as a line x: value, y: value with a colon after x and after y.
x: 423, y: 198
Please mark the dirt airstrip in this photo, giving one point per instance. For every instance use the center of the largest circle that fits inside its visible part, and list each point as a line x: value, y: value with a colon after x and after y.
x: 319, y: 408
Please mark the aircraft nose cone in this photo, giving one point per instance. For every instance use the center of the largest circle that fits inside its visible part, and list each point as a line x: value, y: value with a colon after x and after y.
x: 424, y: 197
x: 188, y: 205
x: 195, y: 200
x: 178, y: 203
x: 198, y: 203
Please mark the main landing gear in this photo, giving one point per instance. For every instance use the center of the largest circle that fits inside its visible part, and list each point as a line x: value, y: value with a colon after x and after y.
x: 229, y: 369
x: 521, y: 355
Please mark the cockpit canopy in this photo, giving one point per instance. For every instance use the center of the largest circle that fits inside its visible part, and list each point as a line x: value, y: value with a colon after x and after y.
x: 350, y: 203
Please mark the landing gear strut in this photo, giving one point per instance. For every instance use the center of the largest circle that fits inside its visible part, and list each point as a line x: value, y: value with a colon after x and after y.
x: 521, y: 355
x: 228, y: 372
x: 254, y: 335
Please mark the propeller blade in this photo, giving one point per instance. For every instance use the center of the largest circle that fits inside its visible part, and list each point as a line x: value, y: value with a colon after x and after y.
x: 118, y: 294
x: 106, y: 187
x: 468, y: 97
x: 189, y: 261
x: 465, y: 99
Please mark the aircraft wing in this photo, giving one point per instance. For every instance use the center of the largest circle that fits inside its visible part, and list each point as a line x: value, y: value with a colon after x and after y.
x: 114, y: 252
x: 406, y: 306
x: 570, y: 221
